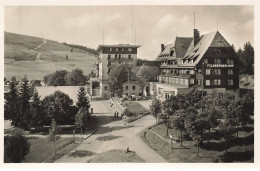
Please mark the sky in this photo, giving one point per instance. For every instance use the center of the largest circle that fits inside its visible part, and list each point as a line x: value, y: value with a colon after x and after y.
x: 153, y: 25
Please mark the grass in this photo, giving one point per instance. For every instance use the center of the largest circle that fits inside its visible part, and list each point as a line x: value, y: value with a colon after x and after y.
x: 107, y: 138
x: 41, y: 150
x: 239, y: 150
x: 135, y: 107
x: 20, y: 60
x: 117, y: 156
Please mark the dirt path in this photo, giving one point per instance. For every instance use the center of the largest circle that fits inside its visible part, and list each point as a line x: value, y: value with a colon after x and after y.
x: 38, y: 57
x: 122, y: 136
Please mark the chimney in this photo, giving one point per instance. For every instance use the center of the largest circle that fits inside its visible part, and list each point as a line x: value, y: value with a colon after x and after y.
x: 162, y: 47
x: 196, y: 36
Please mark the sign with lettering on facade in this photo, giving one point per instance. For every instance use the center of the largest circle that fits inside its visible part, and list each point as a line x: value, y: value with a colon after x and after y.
x: 220, y: 66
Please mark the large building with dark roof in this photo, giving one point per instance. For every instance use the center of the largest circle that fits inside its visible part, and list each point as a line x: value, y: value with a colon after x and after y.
x: 207, y: 61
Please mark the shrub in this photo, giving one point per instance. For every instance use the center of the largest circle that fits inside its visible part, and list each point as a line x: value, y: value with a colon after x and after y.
x: 16, y: 147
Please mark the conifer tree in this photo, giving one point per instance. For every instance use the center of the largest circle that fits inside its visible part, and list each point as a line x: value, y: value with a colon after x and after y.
x: 11, y: 107
x: 36, y: 110
x: 83, y: 101
x: 24, y: 96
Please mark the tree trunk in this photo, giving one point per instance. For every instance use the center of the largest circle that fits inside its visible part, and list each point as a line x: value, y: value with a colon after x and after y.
x: 198, y: 150
x: 181, y: 138
x: 54, y: 142
x: 237, y: 131
x: 209, y: 135
x: 81, y: 132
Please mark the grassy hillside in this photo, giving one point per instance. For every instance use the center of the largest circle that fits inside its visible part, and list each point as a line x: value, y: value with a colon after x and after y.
x: 20, y: 59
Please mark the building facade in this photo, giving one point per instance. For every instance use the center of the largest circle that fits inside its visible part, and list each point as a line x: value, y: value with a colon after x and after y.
x: 109, y: 56
x: 207, y: 61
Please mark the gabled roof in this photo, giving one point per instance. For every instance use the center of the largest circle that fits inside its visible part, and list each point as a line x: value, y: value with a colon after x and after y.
x: 167, y: 50
x: 181, y: 45
x: 179, y: 48
x: 214, y: 39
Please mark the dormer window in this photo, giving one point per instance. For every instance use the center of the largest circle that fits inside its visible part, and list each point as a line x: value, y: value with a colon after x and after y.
x: 171, y: 53
x: 230, y: 61
x: 129, y: 49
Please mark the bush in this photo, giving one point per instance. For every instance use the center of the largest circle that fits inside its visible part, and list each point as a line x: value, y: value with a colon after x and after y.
x: 128, y: 116
x: 16, y: 147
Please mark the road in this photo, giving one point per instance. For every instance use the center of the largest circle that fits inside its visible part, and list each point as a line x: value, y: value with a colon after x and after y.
x: 125, y: 136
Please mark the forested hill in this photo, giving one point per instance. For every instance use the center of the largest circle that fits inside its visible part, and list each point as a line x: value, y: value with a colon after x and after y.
x: 87, y: 49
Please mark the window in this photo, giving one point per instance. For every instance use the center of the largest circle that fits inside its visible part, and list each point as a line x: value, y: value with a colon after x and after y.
x: 230, y: 61
x: 119, y: 62
x: 216, y: 82
x: 115, y: 56
x: 122, y: 49
x: 133, y: 87
x: 126, y: 87
x: 109, y: 63
x: 110, y: 49
x: 217, y: 61
x: 129, y: 49
x: 207, y: 71
x: 171, y: 53
x: 207, y: 82
x: 230, y: 72
x: 105, y: 87
x: 206, y: 61
x: 177, y: 80
x: 129, y: 57
x: 108, y: 57
x: 116, y: 49
x: 181, y: 81
x: 217, y: 72
x: 230, y: 82
x: 133, y: 94
x: 199, y: 71
x: 108, y: 71
x: 167, y: 95
x: 119, y: 57
x: 186, y: 82
x: 192, y: 72
x: 199, y: 82
x: 126, y: 94
x: 192, y: 81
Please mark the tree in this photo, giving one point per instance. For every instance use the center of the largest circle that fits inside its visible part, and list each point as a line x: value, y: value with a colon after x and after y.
x: 118, y: 76
x: 37, y: 112
x: 83, y: 101
x: 196, y: 124
x: 59, y: 107
x: 16, y: 147
x: 211, y: 113
x: 75, y: 78
x: 53, y: 134
x: 178, y: 121
x: 145, y: 74
x: 226, y: 130
x: 81, y: 119
x: 24, y: 96
x: 247, y: 105
x: 156, y: 108
x: 11, y: 107
x: 55, y: 79
x: 247, y: 57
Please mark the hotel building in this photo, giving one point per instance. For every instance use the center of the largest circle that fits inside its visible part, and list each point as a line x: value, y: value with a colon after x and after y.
x: 208, y: 61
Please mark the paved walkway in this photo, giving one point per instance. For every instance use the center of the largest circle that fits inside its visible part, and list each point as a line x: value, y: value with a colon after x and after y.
x: 125, y: 136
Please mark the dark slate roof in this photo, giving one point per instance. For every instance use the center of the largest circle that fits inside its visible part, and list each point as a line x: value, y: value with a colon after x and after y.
x: 181, y: 45
x: 214, y: 39
x: 166, y: 52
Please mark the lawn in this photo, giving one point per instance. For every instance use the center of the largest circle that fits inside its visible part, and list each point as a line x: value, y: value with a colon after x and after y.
x: 41, y: 150
x: 135, y: 107
x: 117, y: 156
x: 239, y: 150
